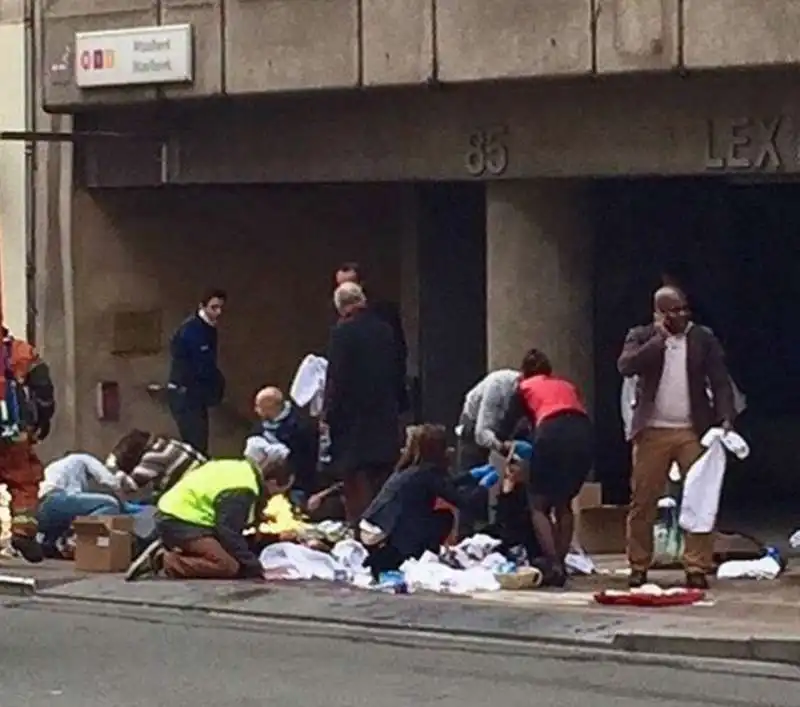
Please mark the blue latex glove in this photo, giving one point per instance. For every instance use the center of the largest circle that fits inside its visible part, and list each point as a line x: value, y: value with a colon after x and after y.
x: 490, y: 479
x: 132, y: 508
x: 522, y: 450
x: 480, y: 472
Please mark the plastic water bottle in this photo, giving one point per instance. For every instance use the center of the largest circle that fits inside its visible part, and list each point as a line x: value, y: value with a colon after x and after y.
x: 324, y: 447
x: 506, y: 568
x: 392, y: 582
x: 775, y: 555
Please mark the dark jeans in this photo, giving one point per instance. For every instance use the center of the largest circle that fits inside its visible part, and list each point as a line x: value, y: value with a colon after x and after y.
x: 191, y: 419
x: 469, y: 455
x: 57, y: 510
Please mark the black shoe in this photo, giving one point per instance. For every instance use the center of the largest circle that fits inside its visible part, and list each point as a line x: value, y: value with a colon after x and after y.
x: 637, y: 579
x: 149, y: 563
x: 696, y: 580
x: 29, y: 548
x: 51, y: 552
x: 554, y: 575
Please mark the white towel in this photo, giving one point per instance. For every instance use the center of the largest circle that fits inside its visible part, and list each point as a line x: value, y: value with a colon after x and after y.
x: 308, y: 386
x: 703, y: 486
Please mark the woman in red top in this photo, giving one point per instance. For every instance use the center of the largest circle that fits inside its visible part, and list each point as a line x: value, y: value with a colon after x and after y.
x: 563, y: 456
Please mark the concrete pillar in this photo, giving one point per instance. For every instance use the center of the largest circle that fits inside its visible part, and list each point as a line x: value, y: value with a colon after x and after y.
x: 540, y: 276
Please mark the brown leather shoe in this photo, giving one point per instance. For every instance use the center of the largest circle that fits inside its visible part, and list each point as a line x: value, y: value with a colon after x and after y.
x: 696, y: 580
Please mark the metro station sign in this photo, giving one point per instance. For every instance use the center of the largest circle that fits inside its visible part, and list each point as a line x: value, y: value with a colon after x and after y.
x: 134, y: 57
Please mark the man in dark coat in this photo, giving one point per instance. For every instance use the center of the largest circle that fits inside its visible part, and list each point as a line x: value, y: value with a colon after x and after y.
x: 675, y: 363
x: 361, y: 406
x: 389, y: 312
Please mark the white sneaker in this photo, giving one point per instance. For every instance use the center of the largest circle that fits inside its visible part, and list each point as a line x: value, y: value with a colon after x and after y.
x: 148, y: 564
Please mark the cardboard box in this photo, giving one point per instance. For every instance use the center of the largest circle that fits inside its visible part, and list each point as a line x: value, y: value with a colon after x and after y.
x: 590, y: 496
x: 602, y: 530
x: 103, y: 543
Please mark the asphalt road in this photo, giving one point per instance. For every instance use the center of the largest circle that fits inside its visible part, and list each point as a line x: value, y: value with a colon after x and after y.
x: 96, y: 657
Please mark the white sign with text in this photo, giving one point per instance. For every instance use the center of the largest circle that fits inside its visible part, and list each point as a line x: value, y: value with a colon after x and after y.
x: 134, y: 57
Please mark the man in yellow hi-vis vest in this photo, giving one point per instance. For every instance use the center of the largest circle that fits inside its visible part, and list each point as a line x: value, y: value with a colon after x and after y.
x: 202, y: 517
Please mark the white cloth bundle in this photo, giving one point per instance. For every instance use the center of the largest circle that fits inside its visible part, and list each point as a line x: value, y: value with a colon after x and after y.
x: 703, y: 485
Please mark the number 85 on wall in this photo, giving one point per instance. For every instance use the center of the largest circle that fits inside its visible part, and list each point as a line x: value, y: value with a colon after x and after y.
x: 487, y: 152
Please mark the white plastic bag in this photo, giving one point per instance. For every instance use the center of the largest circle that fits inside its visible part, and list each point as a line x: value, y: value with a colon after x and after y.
x: 703, y: 485
x: 627, y: 403
x: 794, y: 541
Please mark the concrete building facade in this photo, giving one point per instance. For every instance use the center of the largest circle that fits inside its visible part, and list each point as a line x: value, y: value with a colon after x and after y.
x: 14, y: 168
x: 481, y: 159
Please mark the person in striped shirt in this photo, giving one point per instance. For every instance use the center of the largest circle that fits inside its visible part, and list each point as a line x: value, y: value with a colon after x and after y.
x: 154, y: 462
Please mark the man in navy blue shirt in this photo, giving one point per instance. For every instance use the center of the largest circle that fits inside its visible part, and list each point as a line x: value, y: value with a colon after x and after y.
x: 195, y: 381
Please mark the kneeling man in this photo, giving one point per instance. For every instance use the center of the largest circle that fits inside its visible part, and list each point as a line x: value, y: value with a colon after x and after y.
x: 201, y: 519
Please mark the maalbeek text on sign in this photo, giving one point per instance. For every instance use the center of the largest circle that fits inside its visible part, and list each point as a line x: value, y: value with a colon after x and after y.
x: 134, y: 56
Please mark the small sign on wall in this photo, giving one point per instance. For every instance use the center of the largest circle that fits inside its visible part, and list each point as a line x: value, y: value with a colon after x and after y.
x: 137, y: 333
x: 108, y: 403
x: 134, y: 56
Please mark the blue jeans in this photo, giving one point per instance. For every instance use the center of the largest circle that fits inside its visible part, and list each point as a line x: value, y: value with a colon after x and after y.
x: 57, y: 510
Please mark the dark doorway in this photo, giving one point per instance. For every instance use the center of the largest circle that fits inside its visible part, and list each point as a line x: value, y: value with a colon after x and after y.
x: 735, y: 248
x: 452, y: 302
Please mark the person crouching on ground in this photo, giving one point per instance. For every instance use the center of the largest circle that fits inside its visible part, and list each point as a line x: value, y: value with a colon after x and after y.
x: 563, y: 455
x: 201, y: 520
x: 154, y: 462
x: 282, y: 422
x: 402, y: 522
x: 66, y: 493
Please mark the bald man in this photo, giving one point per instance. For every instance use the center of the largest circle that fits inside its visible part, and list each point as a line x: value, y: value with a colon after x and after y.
x: 281, y: 422
x: 675, y: 364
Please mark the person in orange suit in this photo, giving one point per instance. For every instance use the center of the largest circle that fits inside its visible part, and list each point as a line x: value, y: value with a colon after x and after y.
x: 27, y: 405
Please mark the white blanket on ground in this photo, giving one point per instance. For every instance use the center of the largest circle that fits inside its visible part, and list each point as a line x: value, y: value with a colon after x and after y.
x: 762, y: 568
x: 429, y: 574
x: 703, y: 485
x: 345, y: 563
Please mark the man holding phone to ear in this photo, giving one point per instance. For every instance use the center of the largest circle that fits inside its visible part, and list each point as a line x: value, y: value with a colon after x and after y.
x: 676, y: 363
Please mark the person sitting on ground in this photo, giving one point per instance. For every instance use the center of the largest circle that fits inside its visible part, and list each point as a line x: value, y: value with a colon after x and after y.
x: 154, y: 462
x: 280, y: 421
x: 202, y: 518
x: 562, y: 460
x: 66, y: 493
x: 402, y: 522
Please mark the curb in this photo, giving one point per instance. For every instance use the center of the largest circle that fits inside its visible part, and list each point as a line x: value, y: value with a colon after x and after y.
x: 369, y: 625
x: 762, y: 650
x: 14, y: 586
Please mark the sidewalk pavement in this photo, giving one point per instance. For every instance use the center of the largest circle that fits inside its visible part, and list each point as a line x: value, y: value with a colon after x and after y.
x: 745, y: 620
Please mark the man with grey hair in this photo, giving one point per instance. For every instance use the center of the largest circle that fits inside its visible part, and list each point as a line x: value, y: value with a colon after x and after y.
x: 389, y: 312
x: 201, y: 519
x: 347, y: 297
x: 361, y: 402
